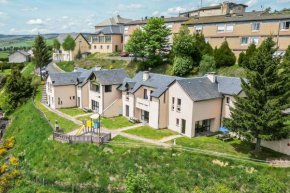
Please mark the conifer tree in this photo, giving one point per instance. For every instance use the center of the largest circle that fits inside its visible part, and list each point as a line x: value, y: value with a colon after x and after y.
x: 249, y: 53
x: 267, y: 88
x: 224, y: 56
x: 41, y: 55
x: 287, y: 54
x: 241, y: 58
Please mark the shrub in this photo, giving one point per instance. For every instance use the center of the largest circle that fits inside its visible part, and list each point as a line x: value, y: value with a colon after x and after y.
x: 111, y: 67
x: 207, y: 64
x: 4, y: 59
x: 241, y: 58
x: 154, y: 60
x: 137, y: 183
x: 224, y: 56
x: 182, y: 65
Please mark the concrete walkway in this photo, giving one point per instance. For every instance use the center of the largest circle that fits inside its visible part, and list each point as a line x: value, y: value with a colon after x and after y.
x: 131, y: 127
x: 83, y: 115
x: 170, y: 138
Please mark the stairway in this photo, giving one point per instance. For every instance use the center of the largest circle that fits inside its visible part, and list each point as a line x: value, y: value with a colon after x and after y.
x: 44, y: 95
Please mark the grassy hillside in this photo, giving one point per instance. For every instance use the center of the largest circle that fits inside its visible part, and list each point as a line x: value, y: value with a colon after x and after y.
x: 134, y: 67
x: 104, y: 169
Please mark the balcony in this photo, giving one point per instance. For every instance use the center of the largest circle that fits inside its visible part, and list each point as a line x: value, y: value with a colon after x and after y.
x: 143, y: 104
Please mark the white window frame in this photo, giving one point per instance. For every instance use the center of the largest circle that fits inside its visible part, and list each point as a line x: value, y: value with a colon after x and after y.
x: 243, y: 43
x: 255, y: 40
x: 126, y: 37
x: 229, y: 27
x: 283, y: 26
x: 126, y: 28
x: 198, y: 28
x: 177, y: 122
x: 256, y: 26
x: 221, y: 28
x: 206, y: 40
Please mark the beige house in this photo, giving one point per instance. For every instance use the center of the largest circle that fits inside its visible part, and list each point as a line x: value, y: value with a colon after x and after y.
x: 81, y: 44
x: 108, y: 37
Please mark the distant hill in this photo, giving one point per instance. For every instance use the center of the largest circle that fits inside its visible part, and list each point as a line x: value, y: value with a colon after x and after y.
x: 6, y: 40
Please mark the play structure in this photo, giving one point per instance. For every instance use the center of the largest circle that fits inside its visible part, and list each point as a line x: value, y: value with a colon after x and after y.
x: 93, y: 126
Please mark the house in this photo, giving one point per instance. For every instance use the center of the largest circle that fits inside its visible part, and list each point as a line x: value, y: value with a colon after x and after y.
x: 19, y: 56
x: 199, y: 105
x: 108, y: 37
x: 95, y: 89
x: 81, y: 44
x: 30, y: 51
x: 146, y: 98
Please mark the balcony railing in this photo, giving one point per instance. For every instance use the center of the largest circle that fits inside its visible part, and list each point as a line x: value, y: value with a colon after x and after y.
x: 143, y: 104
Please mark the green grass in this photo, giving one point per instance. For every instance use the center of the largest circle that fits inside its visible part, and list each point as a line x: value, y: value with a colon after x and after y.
x: 63, y: 123
x: 234, y: 71
x: 122, y: 139
x: 116, y: 123
x: 164, y: 68
x: 5, y: 72
x: 235, y: 147
x: 4, y: 54
x: 25, y: 43
x: 90, y: 168
x: 72, y: 111
x: 28, y: 69
x: 66, y: 66
x: 150, y: 133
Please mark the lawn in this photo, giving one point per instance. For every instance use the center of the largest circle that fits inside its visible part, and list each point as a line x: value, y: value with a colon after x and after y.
x: 116, y: 123
x: 90, y: 168
x: 72, y: 111
x: 234, y: 71
x: 5, y: 72
x: 150, y: 133
x: 66, y: 66
x: 235, y: 147
x: 62, y: 122
x: 4, y: 54
x: 28, y: 69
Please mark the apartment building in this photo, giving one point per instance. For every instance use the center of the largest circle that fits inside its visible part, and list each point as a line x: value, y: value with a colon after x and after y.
x: 145, y: 97
x: 174, y: 23
x: 108, y: 37
x: 81, y: 44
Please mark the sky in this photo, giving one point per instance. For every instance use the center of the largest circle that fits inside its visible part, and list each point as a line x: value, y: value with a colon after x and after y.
x: 60, y: 16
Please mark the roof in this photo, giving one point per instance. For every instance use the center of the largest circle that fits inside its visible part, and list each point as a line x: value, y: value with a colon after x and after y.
x: 117, y: 20
x: 157, y: 81
x: 64, y: 79
x: 167, y: 20
x: 111, y: 77
x: 62, y: 36
x: 231, y: 5
x: 229, y: 85
x: 111, y: 30
x: 247, y: 16
x: 199, y: 89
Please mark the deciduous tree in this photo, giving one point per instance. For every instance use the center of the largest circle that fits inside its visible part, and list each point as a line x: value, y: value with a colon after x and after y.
x: 69, y: 45
x: 136, y: 43
x: 56, y: 44
x: 207, y: 64
x: 259, y: 115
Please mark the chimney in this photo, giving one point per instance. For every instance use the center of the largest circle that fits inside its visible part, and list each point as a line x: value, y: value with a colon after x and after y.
x: 211, y: 76
x: 145, y: 75
x: 98, y: 67
x: 146, y: 17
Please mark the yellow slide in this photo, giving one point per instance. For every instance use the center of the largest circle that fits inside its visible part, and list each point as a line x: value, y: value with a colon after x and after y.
x: 81, y: 130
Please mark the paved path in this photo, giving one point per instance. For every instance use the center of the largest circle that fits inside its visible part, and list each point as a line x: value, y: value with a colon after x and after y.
x: 170, y: 138
x: 50, y: 68
x: 132, y: 127
x: 83, y: 115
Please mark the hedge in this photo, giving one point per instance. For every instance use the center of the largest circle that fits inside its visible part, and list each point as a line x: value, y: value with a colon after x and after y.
x: 11, y: 65
x: 4, y: 59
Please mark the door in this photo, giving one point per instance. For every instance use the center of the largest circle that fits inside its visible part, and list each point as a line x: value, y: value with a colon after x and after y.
x: 183, y: 126
x: 116, y: 48
x: 145, y: 116
x: 127, y: 110
x: 79, y: 101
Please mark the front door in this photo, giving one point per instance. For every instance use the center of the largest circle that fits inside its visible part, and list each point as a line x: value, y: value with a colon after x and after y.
x: 116, y: 48
x: 79, y: 101
x: 127, y: 110
x: 183, y: 126
x: 145, y: 116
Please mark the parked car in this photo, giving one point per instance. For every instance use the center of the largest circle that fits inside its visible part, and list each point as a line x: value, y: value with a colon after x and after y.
x: 135, y: 55
x: 43, y: 71
x: 124, y: 54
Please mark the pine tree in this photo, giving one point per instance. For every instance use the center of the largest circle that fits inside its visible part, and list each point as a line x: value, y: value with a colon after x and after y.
x: 249, y: 54
x: 241, y: 58
x: 79, y: 55
x: 41, y: 55
x: 287, y: 54
x: 224, y: 56
x: 259, y: 115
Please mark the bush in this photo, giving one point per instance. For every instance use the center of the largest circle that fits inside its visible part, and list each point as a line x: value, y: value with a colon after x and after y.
x: 154, y: 60
x: 241, y: 58
x: 207, y: 64
x: 224, y: 56
x: 4, y: 59
x: 182, y: 65
x: 5, y: 65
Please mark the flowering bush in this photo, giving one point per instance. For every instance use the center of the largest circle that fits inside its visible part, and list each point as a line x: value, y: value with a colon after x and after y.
x: 9, y: 143
x: 111, y: 67
x: 14, y: 161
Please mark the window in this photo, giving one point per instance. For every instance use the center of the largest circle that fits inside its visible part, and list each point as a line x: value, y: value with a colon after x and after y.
x: 74, y: 97
x: 58, y: 100
x: 221, y: 27
x: 255, y: 26
x: 102, y: 39
x: 145, y: 94
x: 95, y: 105
x: 122, y: 39
x: 285, y: 25
x: 228, y: 100
x: 151, y: 91
x: 108, y: 39
x: 70, y: 98
x: 245, y: 41
x: 108, y: 47
x: 178, y: 105
x: 52, y: 100
x: 101, y: 47
x: 198, y: 28
x: 126, y: 28
x: 172, y: 108
x: 95, y: 39
x: 239, y: 8
x: 68, y: 56
x: 230, y: 27
x: 126, y: 38
x: 95, y: 87
x: 95, y: 47
x: 108, y: 88
x: 177, y: 122
x: 255, y: 40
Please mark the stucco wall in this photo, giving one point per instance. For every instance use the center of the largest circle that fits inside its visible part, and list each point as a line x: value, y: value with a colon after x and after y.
x: 164, y: 110
x: 85, y: 96
x: 18, y: 58
x: 280, y: 146
x: 130, y: 102
x: 114, y: 110
x: 107, y: 47
x: 110, y: 97
x: 96, y: 96
x: 66, y: 94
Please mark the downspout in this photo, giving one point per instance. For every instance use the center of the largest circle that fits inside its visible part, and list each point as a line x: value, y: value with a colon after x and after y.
x: 278, y: 36
x: 102, y: 99
x: 221, y: 115
x: 133, y: 106
x: 158, y: 112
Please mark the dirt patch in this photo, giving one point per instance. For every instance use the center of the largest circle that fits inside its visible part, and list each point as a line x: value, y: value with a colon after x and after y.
x: 220, y: 163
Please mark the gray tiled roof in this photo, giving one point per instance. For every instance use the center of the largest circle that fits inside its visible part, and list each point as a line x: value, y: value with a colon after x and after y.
x: 63, y: 79
x: 229, y: 85
x: 199, y: 89
x: 111, y: 77
x: 111, y: 30
x: 24, y: 52
x: 157, y: 81
x: 62, y: 36
x: 167, y: 20
x: 117, y: 20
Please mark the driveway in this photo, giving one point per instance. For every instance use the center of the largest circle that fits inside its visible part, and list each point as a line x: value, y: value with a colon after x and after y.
x: 119, y: 58
x: 49, y: 68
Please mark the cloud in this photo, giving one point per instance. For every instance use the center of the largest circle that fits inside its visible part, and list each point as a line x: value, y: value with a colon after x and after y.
x: 29, y: 9
x: 3, y: 15
x: 173, y: 11
x: 35, y: 22
x: 131, y: 7
x: 4, y: 2
x: 155, y: 13
x: 2, y: 24
x: 65, y: 17
x: 282, y: 1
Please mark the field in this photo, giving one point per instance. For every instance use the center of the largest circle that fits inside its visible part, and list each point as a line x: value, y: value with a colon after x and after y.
x: 4, y: 54
x: 89, y: 168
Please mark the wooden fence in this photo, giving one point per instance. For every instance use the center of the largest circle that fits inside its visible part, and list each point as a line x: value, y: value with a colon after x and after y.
x: 82, y: 139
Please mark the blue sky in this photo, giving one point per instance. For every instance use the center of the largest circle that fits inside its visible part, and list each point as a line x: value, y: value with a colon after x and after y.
x: 49, y: 16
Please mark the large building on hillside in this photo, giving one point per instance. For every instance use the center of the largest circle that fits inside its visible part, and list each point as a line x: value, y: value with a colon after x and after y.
x: 228, y: 21
x: 108, y: 37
